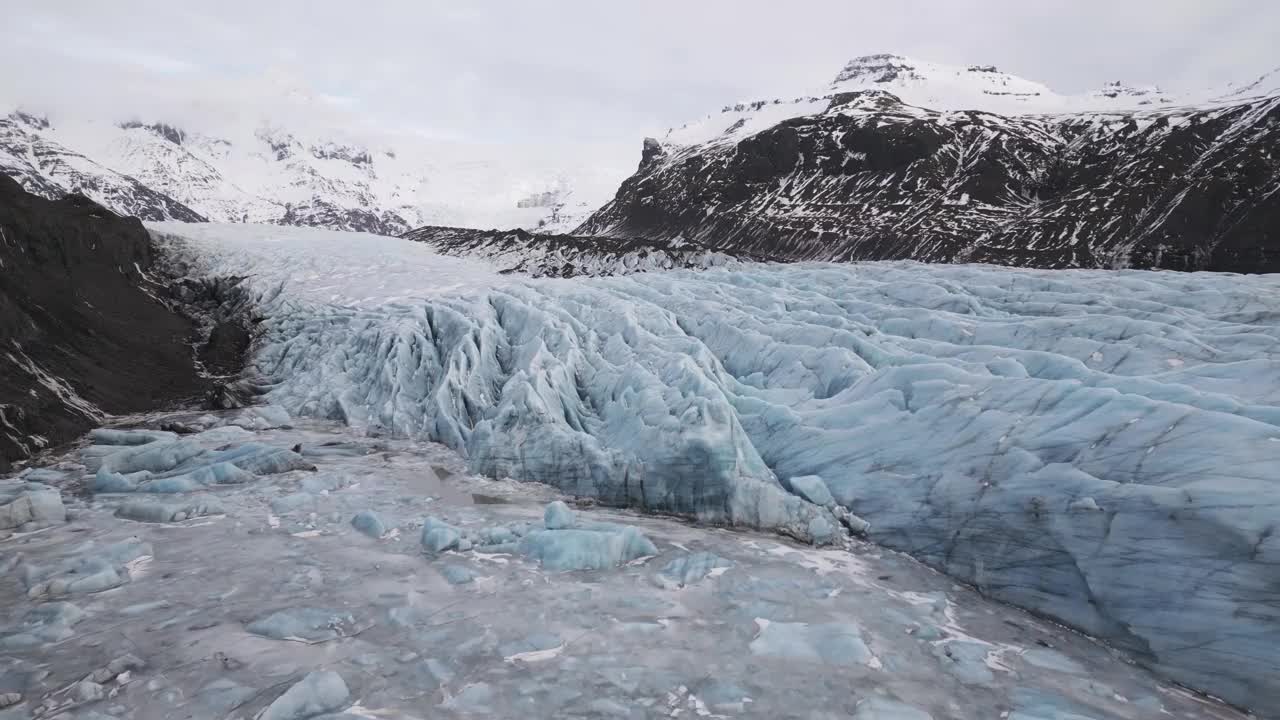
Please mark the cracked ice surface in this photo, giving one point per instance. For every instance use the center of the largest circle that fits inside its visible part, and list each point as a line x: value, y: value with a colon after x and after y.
x: 1101, y: 447
x: 251, y: 614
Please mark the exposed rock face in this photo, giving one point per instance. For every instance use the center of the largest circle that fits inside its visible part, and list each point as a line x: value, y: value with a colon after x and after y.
x: 870, y: 177
x: 539, y: 255
x: 52, y: 170
x: 82, y: 332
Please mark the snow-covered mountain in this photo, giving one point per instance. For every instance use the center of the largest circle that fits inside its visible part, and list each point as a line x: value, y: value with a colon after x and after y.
x: 268, y: 173
x: 898, y: 158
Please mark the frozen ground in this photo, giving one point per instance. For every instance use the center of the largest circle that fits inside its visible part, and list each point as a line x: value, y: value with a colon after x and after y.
x: 1100, y: 447
x: 262, y: 597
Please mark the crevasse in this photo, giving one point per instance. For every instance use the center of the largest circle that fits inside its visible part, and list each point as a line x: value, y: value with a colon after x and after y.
x: 1100, y: 447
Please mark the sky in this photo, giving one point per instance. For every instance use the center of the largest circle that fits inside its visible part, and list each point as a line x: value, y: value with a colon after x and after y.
x: 555, y: 71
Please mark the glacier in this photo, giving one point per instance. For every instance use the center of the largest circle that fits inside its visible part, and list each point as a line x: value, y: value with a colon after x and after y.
x: 1100, y: 447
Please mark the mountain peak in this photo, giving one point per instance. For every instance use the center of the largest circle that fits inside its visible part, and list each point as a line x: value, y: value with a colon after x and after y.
x: 942, y: 87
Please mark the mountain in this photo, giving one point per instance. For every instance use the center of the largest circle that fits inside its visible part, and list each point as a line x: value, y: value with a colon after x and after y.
x: 559, y: 255
x: 83, y: 329
x: 266, y: 173
x: 901, y: 159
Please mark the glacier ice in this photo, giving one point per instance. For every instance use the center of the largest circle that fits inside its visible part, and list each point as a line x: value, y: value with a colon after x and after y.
x: 558, y: 516
x: 45, y: 623
x: 439, y: 536
x: 811, y: 488
x: 877, y: 708
x: 159, y: 512
x: 304, y: 624
x: 574, y: 549
x: 319, y: 692
x: 369, y: 523
x: 974, y: 416
x: 828, y: 643
x: 89, y: 569
x: 690, y: 568
x: 30, y: 505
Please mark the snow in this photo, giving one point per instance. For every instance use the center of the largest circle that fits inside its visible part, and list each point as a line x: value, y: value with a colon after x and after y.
x: 947, y: 88
x: 961, y: 410
x: 350, y: 269
x: 246, y: 172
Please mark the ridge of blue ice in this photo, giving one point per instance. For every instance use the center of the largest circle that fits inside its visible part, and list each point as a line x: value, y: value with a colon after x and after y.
x: 1101, y: 447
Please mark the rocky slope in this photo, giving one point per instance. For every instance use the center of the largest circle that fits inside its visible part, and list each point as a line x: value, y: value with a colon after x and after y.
x: 898, y: 159
x: 550, y: 255
x: 83, y: 332
x: 264, y: 173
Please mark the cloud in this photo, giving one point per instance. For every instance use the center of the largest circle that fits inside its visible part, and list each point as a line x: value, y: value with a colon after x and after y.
x: 567, y: 70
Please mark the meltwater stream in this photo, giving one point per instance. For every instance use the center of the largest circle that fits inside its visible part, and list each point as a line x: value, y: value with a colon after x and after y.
x: 1099, y: 447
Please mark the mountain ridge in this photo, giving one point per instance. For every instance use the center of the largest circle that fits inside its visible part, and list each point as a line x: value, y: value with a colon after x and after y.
x: 266, y: 173
x: 862, y: 174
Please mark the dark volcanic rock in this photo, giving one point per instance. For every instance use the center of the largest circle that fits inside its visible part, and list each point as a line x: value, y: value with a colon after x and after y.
x: 872, y: 179
x: 539, y: 255
x: 81, y: 329
x: 322, y: 213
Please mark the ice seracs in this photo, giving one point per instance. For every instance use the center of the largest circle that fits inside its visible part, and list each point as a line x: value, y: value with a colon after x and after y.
x: 967, y: 413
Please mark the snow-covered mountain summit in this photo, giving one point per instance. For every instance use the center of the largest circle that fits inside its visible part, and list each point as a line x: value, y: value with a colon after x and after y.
x: 900, y: 80
x: 939, y: 86
x: 268, y: 172
x: 903, y: 159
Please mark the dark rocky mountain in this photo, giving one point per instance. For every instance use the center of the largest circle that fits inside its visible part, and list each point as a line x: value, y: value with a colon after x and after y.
x: 544, y: 255
x: 861, y: 174
x: 87, y: 328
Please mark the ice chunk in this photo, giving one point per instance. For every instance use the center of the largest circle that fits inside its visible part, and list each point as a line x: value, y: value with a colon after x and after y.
x: 43, y: 475
x: 689, y: 569
x: 324, y: 483
x: 457, y: 574
x: 878, y: 708
x: 87, y: 691
x: 263, y: 417
x: 319, y: 692
x: 92, y: 570
x: 369, y: 523
x: 154, y: 456
x: 261, y: 459
x: 107, y: 436
x: 473, y: 698
x: 829, y: 643
x: 157, y: 512
x: 497, y: 535
x: 105, y: 481
x: 225, y: 435
x: 45, y: 623
x: 966, y: 660
x: 30, y: 505
x: 305, y: 624
x: 564, y: 550
x: 293, y: 502
x: 558, y: 516
x: 811, y: 488
x: 219, y: 473
x: 223, y: 694
x: 439, y: 536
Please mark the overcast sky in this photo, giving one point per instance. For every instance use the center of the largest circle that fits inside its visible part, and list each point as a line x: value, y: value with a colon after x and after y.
x: 552, y: 71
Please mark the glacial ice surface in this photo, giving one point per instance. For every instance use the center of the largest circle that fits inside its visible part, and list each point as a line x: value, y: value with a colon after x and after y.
x: 1101, y: 447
